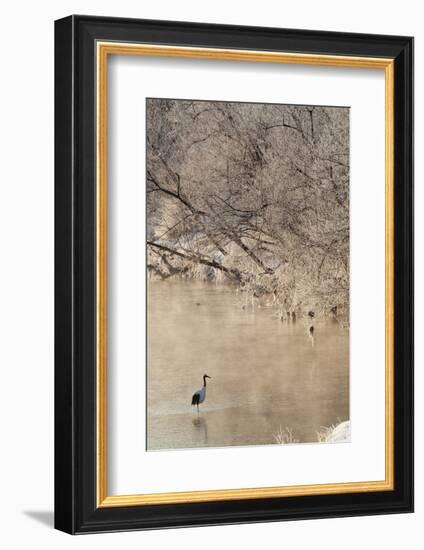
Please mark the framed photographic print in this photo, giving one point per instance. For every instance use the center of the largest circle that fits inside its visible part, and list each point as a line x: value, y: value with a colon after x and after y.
x: 234, y: 269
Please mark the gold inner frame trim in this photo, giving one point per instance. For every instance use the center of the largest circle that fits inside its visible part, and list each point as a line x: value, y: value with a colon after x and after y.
x: 103, y: 50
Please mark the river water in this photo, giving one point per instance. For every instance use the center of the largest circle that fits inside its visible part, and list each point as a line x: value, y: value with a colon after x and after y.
x: 266, y: 374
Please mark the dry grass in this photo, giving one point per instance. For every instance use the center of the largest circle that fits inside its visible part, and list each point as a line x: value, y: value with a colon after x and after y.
x: 324, y: 435
x: 324, y: 432
x: 285, y: 436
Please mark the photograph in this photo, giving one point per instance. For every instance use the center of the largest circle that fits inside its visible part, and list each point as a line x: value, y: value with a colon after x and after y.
x: 247, y: 255
x: 233, y: 268
x: 208, y: 279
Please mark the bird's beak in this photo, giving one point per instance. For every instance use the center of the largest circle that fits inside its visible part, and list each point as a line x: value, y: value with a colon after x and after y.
x: 209, y: 377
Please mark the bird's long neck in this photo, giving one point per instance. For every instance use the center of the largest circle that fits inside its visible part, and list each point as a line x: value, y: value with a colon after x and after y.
x: 204, y: 381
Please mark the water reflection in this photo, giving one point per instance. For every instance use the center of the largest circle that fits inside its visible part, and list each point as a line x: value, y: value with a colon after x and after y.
x: 265, y: 373
x: 200, y: 423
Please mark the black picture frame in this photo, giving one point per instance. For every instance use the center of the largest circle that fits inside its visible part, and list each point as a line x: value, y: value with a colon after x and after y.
x: 76, y: 510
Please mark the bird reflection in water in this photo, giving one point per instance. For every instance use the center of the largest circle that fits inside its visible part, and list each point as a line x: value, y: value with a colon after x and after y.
x: 201, y: 428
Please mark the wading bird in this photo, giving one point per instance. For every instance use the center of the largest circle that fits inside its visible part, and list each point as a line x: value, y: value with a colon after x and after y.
x: 311, y: 334
x: 200, y: 395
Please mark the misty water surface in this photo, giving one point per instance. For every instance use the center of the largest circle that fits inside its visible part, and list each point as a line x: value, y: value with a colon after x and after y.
x: 265, y: 372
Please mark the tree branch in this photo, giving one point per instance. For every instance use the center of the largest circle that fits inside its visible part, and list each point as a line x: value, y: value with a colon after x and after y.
x: 232, y: 273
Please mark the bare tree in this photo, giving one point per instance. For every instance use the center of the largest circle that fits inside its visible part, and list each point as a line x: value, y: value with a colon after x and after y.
x: 253, y: 194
